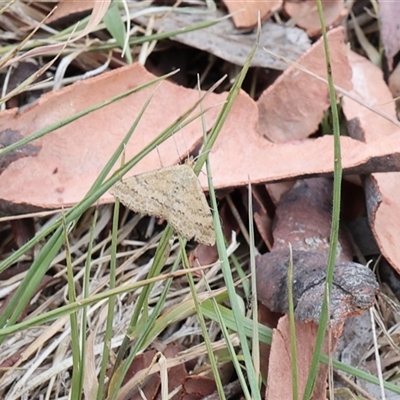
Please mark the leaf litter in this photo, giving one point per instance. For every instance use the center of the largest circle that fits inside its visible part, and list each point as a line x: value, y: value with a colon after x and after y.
x: 230, y: 44
x: 304, y: 14
x: 303, y: 219
x: 241, y: 150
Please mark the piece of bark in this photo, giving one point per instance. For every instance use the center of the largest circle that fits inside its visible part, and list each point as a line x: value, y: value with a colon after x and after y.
x: 238, y: 153
x: 302, y: 218
x: 225, y: 41
x: 354, y: 286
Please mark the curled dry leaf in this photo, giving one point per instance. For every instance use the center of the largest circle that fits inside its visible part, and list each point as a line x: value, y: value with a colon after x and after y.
x: 262, y: 216
x: 138, y: 375
x: 203, y: 254
x: 293, y: 106
x: 277, y: 190
x: 382, y: 190
x: 245, y: 13
x: 305, y: 14
x: 151, y: 385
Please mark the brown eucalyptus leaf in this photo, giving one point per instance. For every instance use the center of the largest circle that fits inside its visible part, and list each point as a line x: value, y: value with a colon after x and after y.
x: 68, y: 8
x: 242, y: 153
x: 280, y: 371
x: 245, y: 13
x: 382, y: 190
x: 72, y: 157
x: 293, y: 106
x: 305, y: 14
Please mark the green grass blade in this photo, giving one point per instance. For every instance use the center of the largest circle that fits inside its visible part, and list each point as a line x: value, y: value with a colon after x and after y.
x: 43, y: 261
x: 77, y: 371
x: 254, y: 304
x: 207, y: 340
x: 113, y: 21
x: 115, y: 26
x: 56, y: 125
x: 32, y: 280
x: 141, y: 337
x: 111, y: 306
x: 293, y: 345
x: 334, y: 235
x: 253, y: 380
x: 41, y: 264
x: 73, y: 307
x: 265, y: 334
x: 86, y: 293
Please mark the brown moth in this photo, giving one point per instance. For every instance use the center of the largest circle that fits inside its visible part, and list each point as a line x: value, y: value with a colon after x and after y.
x: 173, y: 193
